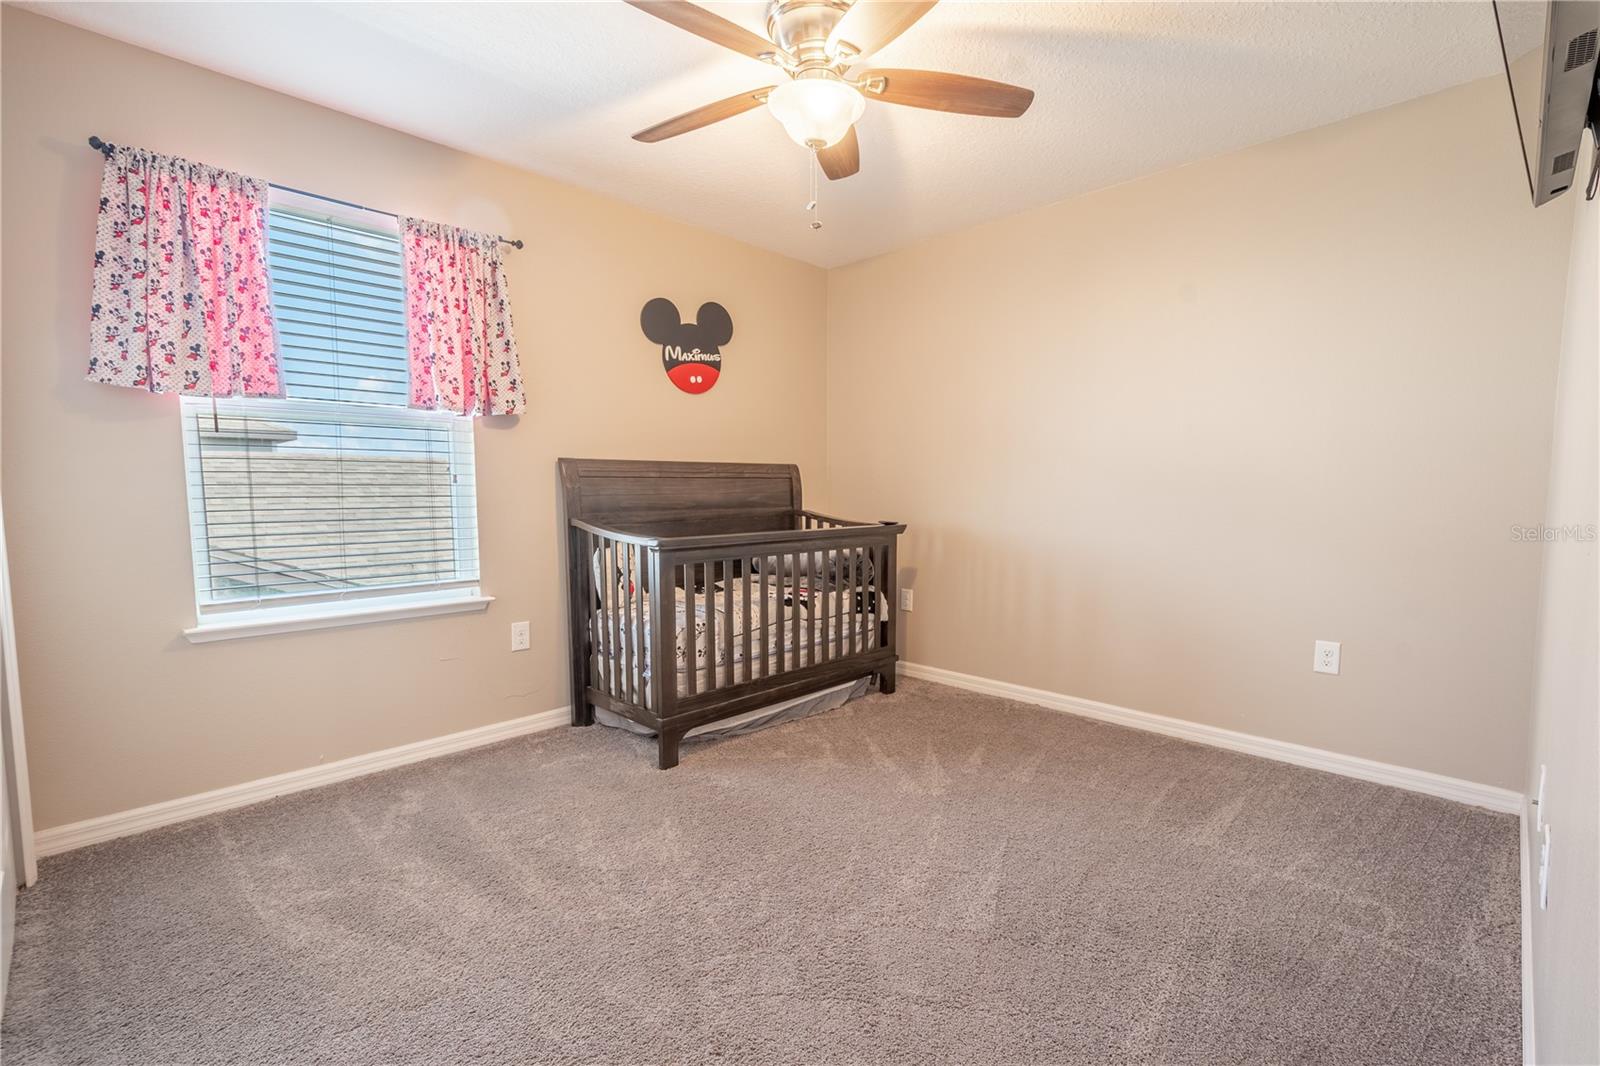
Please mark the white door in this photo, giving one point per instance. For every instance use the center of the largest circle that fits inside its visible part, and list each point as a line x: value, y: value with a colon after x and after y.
x: 18, y: 866
x: 8, y: 870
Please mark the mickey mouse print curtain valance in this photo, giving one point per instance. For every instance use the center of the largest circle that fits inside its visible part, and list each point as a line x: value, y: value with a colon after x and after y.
x: 183, y: 299
x: 458, y: 321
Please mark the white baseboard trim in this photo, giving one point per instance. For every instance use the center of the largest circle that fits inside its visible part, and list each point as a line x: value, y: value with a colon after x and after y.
x: 1529, y: 1055
x: 57, y: 839
x: 1452, y: 788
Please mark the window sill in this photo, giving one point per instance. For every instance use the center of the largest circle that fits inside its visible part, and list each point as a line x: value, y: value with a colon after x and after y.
x: 270, y: 620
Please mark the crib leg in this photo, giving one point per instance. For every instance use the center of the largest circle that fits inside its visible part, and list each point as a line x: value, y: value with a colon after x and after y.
x: 667, y: 749
x: 886, y: 681
x: 582, y: 709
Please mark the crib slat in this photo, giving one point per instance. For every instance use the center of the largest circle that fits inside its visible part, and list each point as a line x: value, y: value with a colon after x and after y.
x: 824, y: 607
x: 766, y: 635
x: 819, y: 574
x: 641, y: 654
x: 813, y: 599
x: 836, y: 570
x: 639, y: 651
x: 869, y: 594
x: 710, y: 594
x: 825, y: 635
x: 794, y: 594
x: 686, y: 574
x: 744, y: 577
x: 845, y: 577
x: 861, y: 599
x: 613, y: 653
x: 785, y: 582
x: 849, y: 633
x: 602, y: 634
x: 842, y: 611
x: 645, y: 653
x: 627, y: 623
x: 630, y: 646
x: 825, y: 619
x: 601, y: 650
x: 850, y: 602
x: 618, y: 653
x: 808, y: 624
x: 727, y: 624
x: 851, y: 616
x: 592, y: 652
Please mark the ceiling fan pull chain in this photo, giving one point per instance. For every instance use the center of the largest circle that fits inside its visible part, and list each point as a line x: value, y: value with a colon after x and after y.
x: 816, y: 219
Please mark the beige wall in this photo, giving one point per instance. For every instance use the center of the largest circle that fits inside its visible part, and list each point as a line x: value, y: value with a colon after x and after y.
x: 121, y: 711
x: 1566, y: 723
x: 1151, y: 442
x: 1155, y: 441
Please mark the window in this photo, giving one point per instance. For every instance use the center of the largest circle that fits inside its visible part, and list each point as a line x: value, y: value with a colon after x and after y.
x: 338, y: 501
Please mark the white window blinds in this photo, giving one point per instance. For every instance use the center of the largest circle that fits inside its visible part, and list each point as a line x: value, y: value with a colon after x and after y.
x: 339, y: 491
x: 338, y: 297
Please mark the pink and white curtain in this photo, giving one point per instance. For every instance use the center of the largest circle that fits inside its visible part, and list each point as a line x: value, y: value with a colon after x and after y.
x: 463, y: 350
x: 181, y: 301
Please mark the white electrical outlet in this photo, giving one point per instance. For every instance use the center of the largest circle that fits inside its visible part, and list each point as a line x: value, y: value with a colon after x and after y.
x: 1325, y: 659
x: 1538, y: 802
x: 905, y: 599
x: 1544, y: 868
x: 519, y: 636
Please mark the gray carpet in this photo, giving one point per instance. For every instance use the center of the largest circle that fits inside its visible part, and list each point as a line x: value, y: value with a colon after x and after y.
x: 927, y: 877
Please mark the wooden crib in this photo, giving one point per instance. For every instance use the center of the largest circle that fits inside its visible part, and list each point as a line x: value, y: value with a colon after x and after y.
x: 764, y: 601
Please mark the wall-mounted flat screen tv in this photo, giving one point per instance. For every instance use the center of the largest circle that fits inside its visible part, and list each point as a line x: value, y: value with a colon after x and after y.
x: 1549, y: 47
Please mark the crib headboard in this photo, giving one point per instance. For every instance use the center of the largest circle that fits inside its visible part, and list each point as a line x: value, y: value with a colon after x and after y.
x: 681, y: 499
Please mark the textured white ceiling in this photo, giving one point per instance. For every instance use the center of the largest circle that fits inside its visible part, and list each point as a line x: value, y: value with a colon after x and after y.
x: 1124, y: 90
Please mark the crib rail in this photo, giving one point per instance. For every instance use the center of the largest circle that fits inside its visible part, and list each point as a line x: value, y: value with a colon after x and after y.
x: 766, y: 615
x: 778, y: 610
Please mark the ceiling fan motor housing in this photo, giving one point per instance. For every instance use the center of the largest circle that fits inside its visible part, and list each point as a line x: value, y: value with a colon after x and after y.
x: 801, y: 28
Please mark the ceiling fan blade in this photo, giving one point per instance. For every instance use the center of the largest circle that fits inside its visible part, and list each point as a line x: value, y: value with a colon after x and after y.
x: 938, y: 91
x: 704, y: 116
x: 702, y: 23
x: 871, y: 24
x: 843, y: 159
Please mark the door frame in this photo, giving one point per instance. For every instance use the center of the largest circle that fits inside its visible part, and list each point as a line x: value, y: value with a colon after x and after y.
x: 19, y: 797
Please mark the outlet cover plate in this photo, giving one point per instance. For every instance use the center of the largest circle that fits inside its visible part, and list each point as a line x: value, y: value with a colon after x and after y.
x: 1325, y: 659
x: 519, y: 636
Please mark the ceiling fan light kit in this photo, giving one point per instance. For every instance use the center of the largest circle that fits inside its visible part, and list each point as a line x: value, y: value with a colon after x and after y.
x: 816, y: 43
x: 817, y: 108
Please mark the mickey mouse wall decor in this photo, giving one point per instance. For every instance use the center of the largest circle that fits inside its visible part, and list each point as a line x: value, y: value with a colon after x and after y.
x: 691, y: 352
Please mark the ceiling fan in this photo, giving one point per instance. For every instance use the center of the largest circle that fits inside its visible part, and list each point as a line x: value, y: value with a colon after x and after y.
x: 818, y: 43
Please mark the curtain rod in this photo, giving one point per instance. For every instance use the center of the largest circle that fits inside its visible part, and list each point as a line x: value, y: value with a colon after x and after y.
x: 106, y: 149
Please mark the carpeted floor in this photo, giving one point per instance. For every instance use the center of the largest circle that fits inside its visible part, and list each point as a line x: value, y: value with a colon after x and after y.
x: 927, y: 877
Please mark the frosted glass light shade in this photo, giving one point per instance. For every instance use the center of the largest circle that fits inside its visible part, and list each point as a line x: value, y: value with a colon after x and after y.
x: 816, y: 112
